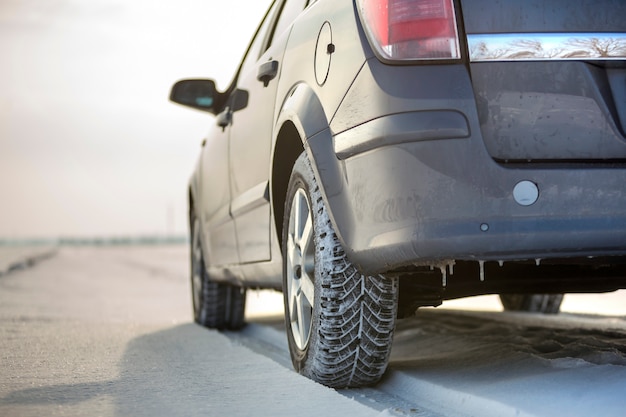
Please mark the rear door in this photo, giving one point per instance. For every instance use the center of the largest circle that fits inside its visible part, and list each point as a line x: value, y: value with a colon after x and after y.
x: 251, y: 134
x: 215, y: 183
x: 220, y: 244
x: 549, y: 78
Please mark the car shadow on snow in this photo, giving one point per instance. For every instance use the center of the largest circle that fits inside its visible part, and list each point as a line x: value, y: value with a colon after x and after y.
x: 162, y: 373
x: 185, y: 370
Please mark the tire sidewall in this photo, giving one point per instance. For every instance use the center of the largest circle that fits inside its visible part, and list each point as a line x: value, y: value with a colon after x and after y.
x: 302, y: 178
x: 197, y: 266
x: 336, y: 355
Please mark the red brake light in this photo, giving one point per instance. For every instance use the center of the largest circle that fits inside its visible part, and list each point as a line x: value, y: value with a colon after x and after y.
x: 411, y: 29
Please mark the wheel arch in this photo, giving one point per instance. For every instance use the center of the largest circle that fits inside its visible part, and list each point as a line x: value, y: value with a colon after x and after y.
x: 301, y: 118
x: 194, y: 210
x: 191, y: 207
x: 193, y: 196
x: 289, y: 146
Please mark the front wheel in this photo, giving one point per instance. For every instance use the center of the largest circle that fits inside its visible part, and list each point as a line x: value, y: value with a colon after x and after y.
x: 339, y: 322
x: 215, y: 305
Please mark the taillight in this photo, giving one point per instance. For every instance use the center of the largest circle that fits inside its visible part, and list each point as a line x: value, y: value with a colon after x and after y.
x: 411, y: 29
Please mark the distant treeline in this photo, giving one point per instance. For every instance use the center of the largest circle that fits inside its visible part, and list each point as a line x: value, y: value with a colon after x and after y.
x: 99, y: 241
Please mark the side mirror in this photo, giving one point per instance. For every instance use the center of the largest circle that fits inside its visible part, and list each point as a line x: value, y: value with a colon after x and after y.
x: 239, y: 100
x: 198, y: 94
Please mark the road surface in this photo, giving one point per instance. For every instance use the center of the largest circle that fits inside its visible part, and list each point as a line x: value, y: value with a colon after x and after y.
x: 107, y: 331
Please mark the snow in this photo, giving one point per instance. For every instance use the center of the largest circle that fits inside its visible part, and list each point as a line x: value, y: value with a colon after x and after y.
x: 16, y: 257
x: 107, y: 331
x: 134, y: 311
x: 453, y: 362
x: 228, y: 378
x: 508, y: 364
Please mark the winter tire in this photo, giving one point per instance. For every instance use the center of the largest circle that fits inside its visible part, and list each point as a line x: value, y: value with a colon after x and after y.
x: 339, y: 322
x: 532, y: 303
x: 215, y: 305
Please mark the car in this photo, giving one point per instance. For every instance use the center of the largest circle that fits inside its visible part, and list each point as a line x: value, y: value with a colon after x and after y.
x: 371, y: 157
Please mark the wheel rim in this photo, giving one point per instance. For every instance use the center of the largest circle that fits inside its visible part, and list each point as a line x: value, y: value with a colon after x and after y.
x: 196, y: 267
x: 300, y: 269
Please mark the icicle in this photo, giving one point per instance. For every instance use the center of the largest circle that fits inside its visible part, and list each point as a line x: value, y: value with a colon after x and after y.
x: 481, y: 264
x: 451, y: 268
x: 444, y: 275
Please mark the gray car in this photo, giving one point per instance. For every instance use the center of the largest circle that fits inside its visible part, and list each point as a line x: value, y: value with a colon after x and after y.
x: 374, y: 156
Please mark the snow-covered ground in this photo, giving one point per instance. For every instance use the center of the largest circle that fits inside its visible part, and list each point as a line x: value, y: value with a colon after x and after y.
x: 16, y: 257
x: 107, y: 331
x: 497, y: 364
x: 468, y: 358
x: 450, y: 362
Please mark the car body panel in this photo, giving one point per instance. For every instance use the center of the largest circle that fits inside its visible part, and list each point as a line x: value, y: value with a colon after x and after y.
x: 345, y: 62
x: 548, y: 111
x: 250, y: 136
x: 214, y: 201
x: 399, y: 221
x: 430, y: 200
x: 546, y: 88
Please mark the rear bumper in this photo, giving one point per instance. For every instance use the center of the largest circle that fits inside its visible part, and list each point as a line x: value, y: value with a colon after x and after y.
x: 409, y: 181
x: 423, y: 202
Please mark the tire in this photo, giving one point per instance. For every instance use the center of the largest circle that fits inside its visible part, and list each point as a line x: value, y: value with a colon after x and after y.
x: 532, y: 303
x: 215, y: 305
x: 339, y: 322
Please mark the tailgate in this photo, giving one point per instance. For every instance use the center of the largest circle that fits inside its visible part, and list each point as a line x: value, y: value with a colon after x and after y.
x: 549, y: 78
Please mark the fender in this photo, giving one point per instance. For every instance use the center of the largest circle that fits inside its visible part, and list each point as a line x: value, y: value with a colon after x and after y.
x: 194, y: 199
x: 194, y: 187
x: 303, y: 109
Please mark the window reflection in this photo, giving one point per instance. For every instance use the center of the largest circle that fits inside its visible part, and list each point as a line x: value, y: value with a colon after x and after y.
x: 546, y: 46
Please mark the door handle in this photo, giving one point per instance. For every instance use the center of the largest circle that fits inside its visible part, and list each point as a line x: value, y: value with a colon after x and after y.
x: 225, y: 118
x: 267, y: 72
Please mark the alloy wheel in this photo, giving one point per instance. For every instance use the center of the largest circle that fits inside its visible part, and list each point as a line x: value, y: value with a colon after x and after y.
x: 300, y: 268
x: 196, y: 265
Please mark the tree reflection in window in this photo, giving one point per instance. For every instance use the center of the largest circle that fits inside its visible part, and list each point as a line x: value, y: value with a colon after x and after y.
x: 547, y: 46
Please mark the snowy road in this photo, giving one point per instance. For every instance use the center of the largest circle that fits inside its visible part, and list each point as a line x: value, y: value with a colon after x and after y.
x: 456, y: 363
x: 106, y: 331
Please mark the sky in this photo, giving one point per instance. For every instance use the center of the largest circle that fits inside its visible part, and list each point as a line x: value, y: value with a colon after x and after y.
x: 90, y: 146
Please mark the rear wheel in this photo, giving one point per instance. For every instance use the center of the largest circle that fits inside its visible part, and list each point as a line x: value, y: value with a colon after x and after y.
x: 532, y: 303
x: 339, y: 322
x: 215, y: 305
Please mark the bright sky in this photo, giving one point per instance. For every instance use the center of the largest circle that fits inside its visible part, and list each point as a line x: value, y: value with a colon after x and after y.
x: 89, y: 143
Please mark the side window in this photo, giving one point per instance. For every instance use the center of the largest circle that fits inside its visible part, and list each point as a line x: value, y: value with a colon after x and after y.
x: 272, y: 27
x: 290, y: 11
x: 257, y: 44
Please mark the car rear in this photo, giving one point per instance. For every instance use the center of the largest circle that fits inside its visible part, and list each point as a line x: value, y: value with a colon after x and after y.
x: 485, y: 131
